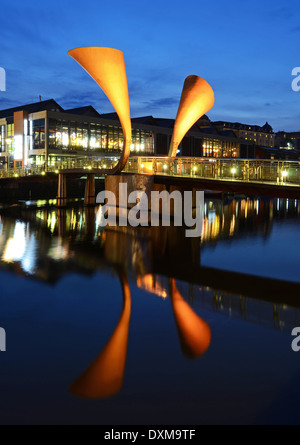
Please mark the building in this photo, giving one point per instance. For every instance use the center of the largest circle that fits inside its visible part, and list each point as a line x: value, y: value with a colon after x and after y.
x: 288, y: 141
x: 43, y: 132
x: 253, y: 134
x: 202, y: 140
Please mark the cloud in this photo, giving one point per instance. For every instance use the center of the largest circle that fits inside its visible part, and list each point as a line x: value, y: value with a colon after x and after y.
x: 161, y: 103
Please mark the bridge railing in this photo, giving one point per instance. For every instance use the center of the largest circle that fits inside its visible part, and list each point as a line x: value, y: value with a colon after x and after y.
x: 246, y: 170
x: 82, y: 163
x: 271, y: 171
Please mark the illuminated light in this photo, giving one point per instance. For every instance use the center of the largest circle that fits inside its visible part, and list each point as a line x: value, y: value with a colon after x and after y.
x: 233, y: 170
x: 29, y: 258
x: 16, y: 246
x: 165, y: 166
x: 65, y: 139
x: 104, y: 165
x: 142, y: 166
x: 89, y: 167
x: 107, y: 67
x: 58, y: 252
x: 43, y: 173
x: 16, y: 175
x: 56, y: 171
x: 26, y: 145
x: 284, y: 174
x: 195, y: 169
x: 149, y: 284
x: 197, y: 98
x: 53, y: 222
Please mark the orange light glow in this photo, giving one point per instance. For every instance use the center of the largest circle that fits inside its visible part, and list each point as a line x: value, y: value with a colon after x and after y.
x: 107, y: 67
x: 104, y: 377
x: 197, y: 98
x: 148, y: 283
x: 194, y: 333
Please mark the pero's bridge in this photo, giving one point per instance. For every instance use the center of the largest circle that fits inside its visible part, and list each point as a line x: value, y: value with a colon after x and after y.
x: 107, y: 67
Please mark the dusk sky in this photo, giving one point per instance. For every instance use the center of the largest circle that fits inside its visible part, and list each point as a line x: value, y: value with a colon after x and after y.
x: 245, y: 50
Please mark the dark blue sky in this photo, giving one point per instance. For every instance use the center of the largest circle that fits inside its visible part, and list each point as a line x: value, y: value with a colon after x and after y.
x: 245, y: 50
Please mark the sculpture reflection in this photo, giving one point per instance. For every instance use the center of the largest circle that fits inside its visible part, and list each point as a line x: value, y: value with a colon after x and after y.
x: 194, y: 333
x: 104, y: 377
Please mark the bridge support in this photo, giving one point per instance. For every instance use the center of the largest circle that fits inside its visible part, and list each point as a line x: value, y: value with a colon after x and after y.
x: 62, y: 190
x: 89, y: 197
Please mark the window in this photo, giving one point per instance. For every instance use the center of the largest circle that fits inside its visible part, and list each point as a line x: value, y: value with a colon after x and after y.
x: 38, y: 134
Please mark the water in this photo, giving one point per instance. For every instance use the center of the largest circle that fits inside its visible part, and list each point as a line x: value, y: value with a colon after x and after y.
x: 145, y: 326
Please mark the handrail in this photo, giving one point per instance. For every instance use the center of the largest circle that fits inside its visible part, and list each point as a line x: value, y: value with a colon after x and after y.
x: 275, y: 172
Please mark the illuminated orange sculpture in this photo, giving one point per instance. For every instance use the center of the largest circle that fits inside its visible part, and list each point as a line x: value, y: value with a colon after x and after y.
x: 197, y: 98
x: 194, y: 333
x: 107, y: 67
x: 104, y: 377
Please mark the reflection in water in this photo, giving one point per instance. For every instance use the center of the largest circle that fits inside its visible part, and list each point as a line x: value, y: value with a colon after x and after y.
x: 194, y: 333
x: 48, y: 243
x: 149, y: 283
x: 104, y: 377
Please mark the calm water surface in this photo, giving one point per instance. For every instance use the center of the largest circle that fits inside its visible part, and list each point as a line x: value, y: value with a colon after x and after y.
x: 145, y: 326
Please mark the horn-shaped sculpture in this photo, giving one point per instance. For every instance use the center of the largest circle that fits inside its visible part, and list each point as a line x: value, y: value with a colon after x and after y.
x: 107, y: 67
x: 104, y: 377
x: 194, y: 333
x: 197, y: 98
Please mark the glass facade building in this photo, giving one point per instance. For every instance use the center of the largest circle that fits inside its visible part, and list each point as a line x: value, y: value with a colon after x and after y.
x: 44, y: 132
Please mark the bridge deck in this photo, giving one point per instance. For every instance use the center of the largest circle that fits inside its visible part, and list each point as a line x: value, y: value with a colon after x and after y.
x: 274, y: 178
